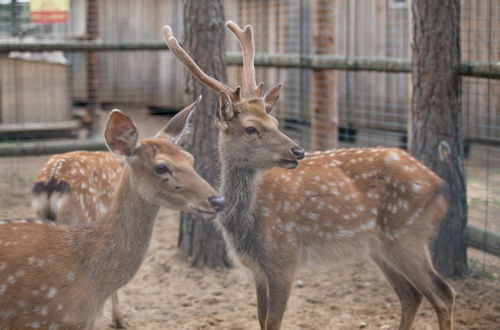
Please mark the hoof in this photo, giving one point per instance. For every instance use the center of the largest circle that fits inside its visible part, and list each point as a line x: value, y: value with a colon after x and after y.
x: 119, y: 323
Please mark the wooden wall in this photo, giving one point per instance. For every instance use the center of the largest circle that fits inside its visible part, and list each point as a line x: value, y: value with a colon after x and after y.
x: 372, y: 28
x: 151, y: 78
x: 33, y: 91
x: 480, y: 41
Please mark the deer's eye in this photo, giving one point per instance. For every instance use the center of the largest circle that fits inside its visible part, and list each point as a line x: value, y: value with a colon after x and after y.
x: 251, y: 130
x: 161, y: 169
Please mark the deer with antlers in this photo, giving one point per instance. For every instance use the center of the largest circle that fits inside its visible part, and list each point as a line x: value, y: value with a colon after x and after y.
x: 281, y: 214
x: 77, y: 187
x: 57, y: 276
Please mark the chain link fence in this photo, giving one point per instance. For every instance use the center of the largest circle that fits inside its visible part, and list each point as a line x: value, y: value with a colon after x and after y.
x: 320, y: 108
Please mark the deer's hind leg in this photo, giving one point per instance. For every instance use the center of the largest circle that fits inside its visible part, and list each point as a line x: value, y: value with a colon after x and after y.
x: 415, y: 264
x: 408, y: 295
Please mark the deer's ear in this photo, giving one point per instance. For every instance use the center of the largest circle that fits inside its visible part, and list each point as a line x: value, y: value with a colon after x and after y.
x: 224, y: 110
x: 179, y: 126
x: 271, y: 97
x: 121, y: 135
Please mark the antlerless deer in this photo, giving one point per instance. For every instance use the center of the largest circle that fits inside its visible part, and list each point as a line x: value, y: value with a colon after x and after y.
x: 281, y: 214
x: 56, y: 276
x: 77, y: 187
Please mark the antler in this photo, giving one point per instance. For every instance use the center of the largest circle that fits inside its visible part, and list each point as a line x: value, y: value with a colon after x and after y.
x: 245, y: 38
x: 205, y: 79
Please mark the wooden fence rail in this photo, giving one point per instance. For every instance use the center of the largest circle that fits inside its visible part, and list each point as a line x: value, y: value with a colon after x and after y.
x: 290, y: 60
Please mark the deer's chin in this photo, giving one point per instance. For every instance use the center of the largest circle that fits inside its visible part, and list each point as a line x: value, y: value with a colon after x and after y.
x: 288, y: 163
x: 207, y: 215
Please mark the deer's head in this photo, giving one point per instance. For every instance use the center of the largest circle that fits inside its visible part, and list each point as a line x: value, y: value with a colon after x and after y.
x: 249, y: 134
x: 160, y: 170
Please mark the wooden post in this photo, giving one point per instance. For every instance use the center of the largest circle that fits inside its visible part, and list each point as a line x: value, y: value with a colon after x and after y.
x: 324, y: 116
x: 436, y: 115
x: 92, y: 120
x: 199, y: 241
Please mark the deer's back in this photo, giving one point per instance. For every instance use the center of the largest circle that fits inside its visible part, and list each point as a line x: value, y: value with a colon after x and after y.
x: 348, y: 198
x: 75, y: 187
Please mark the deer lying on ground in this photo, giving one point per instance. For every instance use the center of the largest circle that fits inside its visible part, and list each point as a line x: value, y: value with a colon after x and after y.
x: 57, y: 276
x: 280, y: 214
x: 77, y: 187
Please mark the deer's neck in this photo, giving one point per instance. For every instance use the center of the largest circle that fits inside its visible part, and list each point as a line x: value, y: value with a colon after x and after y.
x: 121, y: 238
x: 239, y: 184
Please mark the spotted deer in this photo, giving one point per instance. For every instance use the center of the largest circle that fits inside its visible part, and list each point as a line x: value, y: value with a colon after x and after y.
x: 77, y: 187
x: 58, y: 276
x: 281, y: 214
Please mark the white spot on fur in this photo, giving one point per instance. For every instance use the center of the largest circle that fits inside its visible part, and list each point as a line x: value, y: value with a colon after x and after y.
x: 51, y: 293
x: 43, y: 310
x: 391, y: 157
x: 416, y: 186
x: 313, y: 216
x: 3, y: 287
x: 71, y: 276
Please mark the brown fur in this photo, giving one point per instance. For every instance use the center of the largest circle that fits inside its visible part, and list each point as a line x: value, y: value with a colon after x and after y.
x: 91, y: 179
x: 77, y: 187
x: 379, y: 201
x: 376, y: 201
x: 57, y: 276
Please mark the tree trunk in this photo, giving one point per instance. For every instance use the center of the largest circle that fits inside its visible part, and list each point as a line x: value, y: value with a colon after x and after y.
x: 324, y: 116
x: 435, y: 129
x: 199, y: 241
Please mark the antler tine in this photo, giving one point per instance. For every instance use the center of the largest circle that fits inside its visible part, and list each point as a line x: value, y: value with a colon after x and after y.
x: 205, y: 79
x: 245, y: 38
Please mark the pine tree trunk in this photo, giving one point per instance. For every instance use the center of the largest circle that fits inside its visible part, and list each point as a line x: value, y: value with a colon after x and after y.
x: 435, y: 130
x: 199, y: 241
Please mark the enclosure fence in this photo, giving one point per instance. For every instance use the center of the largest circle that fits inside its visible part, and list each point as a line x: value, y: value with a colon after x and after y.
x: 344, y: 65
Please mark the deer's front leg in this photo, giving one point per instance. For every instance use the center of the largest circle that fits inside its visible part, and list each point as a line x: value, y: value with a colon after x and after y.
x: 118, y: 319
x: 261, y: 288
x: 279, y: 287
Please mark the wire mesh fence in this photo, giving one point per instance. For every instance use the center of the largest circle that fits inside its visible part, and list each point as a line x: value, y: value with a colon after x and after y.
x: 319, y: 108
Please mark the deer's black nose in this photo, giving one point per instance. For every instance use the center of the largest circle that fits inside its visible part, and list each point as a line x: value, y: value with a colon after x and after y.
x: 218, y: 203
x: 298, y: 152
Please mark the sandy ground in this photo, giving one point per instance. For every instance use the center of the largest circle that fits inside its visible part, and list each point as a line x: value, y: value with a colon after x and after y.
x: 351, y: 294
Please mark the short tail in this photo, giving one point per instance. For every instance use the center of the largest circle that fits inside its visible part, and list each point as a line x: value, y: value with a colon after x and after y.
x: 42, y: 193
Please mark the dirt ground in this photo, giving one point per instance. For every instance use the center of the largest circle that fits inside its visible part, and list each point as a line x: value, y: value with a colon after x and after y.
x: 351, y: 294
